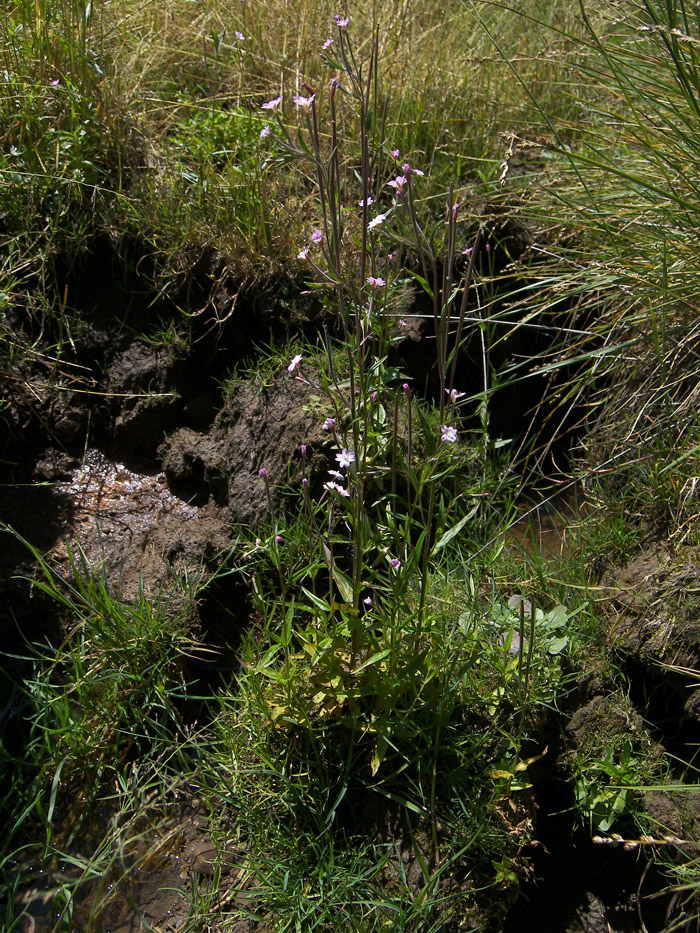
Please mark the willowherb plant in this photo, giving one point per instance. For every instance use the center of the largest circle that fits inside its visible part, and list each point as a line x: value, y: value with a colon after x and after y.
x: 365, y: 645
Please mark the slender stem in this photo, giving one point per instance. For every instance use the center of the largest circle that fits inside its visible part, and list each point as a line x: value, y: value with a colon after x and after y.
x: 466, y: 284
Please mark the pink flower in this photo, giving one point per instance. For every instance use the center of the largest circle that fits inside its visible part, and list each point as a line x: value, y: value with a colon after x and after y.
x: 336, y: 487
x: 345, y: 458
x: 54, y: 82
x: 262, y: 473
x: 402, y: 323
x: 376, y: 221
x: 317, y: 237
x: 454, y: 394
x: 328, y: 43
x: 295, y: 362
x: 408, y: 171
x: 395, y: 563
x: 367, y: 601
x: 448, y: 434
x: 455, y: 208
x: 304, y: 102
x: 273, y: 105
x: 265, y: 132
x: 328, y: 425
x: 375, y: 282
x: 341, y: 21
x: 336, y: 475
x: 396, y: 153
x: 239, y: 36
x: 399, y: 183
x: 303, y: 253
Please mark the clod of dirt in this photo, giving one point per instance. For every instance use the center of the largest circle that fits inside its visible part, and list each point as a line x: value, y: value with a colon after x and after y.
x: 141, y: 383
x: 594, y: 726
x: 258, y: 428
x: 657, y: 627
x: 128, y: 523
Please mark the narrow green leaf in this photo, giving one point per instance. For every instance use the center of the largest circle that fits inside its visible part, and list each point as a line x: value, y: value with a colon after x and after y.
x: 375, y: 659
x: 422, y: 282
x: 321, y: 604
x: 344, y: 584
x: 455, y: 530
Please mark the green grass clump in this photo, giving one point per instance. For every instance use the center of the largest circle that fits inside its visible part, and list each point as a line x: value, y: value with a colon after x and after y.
x: 346, y: 789
x: 106, y: 728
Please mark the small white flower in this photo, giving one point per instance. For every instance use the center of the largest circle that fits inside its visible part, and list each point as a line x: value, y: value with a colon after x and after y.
x: 345, y: 458
x: 335, y: 487
x: 454, y: 394
x: 265, y: 132
x: 449, y: 434
x: 303, y: 254
x: 295, y: 362
x: 375, y: 221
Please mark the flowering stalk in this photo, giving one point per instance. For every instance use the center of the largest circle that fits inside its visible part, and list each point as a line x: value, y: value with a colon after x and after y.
x: 359, y: 426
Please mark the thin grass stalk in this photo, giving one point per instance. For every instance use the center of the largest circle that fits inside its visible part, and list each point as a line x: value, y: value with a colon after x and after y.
x: 394, y: 452
x: 447, y: 296
x: 466, y: 285
x: 409, y: 450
